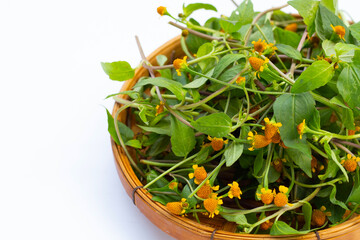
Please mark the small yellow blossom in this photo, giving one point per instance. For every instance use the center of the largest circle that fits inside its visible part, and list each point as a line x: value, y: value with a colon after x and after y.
x: 259, y: 46
x: 300, y: 128
x: 281, y: 198
x: 266, y: 196
x: 266, y: 225
x: 180, y: 64
x: 206, y: 190
x: 292, y: 27
x: 199, y: 174
x: 159, y: 108
x: 217, y: 143
x: 213, y: 204
x: 319, y: 216
x: 173, y: 185
x: 278, y: 164
x: 161, y: 10
x: 258, y: 64
x: 178, y: 208
x: 257, y: 141
x: 351, y: 163
x: 240, y: 80
x: 234, y: 191
x: 339, y: 30
x: 184, y: 33
x: 271, y: 129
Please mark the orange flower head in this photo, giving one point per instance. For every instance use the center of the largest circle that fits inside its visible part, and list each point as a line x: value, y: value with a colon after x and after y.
x: 257, y: 141
x: 281, y: 199
x: 161, y: 10
x: 339, y: 30
x: 271, y: 129
x: 177, y: 208
x: 300, y: 128
x: 199, y: 174
x: 234, y: 191
x: 240, y: 80
x: 266, y: 225
x: 266, y: 196
x: 159, y: 108
x: 180, y: 64
x: 259, y: 46
x: 173, y: 185
x: 217, y: 143
x: 257, y: 63
x: 292, y: 27
x: 350, y: 164
x: 213, y: 204
x: 278, y: 165
x: 206, y: 190
x: 318, y: 218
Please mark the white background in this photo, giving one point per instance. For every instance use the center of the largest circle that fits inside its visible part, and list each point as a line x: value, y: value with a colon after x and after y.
x: 57, y: 174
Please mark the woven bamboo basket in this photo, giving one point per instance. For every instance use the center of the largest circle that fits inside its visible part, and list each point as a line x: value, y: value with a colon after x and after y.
x: 183, y: 227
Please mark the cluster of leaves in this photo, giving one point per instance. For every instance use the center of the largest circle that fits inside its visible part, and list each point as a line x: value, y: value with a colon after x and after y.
x: 266, y: 100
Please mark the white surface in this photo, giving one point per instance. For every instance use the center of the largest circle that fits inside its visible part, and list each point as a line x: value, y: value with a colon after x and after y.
x: 57, y: 175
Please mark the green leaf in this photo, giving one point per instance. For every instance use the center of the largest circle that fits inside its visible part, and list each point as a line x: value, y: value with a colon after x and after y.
x: 161, y: 59
x: 159, y: 146
x: 171, y: 85
x: 329, y: 47
x: 230, y: 26
x: 259, y: 162
x: 185, y: 193
x: 349, y: 85
x: 204, y: 50
x: 125, y: 132
x: 182, y: 138
x: 324, y: 19
x: 215, y: 125
x: 291, y: 110
x: 162, y: 128
x: 233, y: 153
x: 239, y: 219
x: 307, y: 9
x: 287, y: 37
x: 189, y: 9
x: 315, y: 76
x: 196, y: 83
x: 289, y: 51
x: 132, y: 94
x: 331, y: 171
x: 119, y: 71
x: 330, y: 4
x: 162, y: 182
x: 355, y: 193
x: 244, y: 13
x: 225, y: 62
x: 134, y: 143
x: 282, y: 228
x: 193, y: 42
x: 333, y: 199
x: 346, y: 114
x: 355, y: 30
x: 332, y: 156
x: 301, y: 159
x: 345, y: 52
x: 307, y: 211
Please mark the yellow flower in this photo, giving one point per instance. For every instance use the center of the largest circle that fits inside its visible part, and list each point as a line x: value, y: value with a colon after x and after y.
x: 217, y: 143
x: 199, y: 174
x: 234, y: 190
x: 240, y: 80
x: 318, y: 217
x: 180, y: 64
x: 281, y: 199
x: 271, y: 128
x: 300, y: 128
x: 350, y: 164
x: 206, y: 190
x: 266, y: 196
x: 173, y: 185
x: 258, y: 64
x: 159, y: 108
x: 291, y: 27
x: 258, y: 141
x: 259, y: 46
x: 213, y: 204
x: 161, y: 10
x: 178, y: 208
x: 339, y: 30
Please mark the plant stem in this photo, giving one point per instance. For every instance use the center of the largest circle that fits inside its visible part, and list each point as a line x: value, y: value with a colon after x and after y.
x: 184, y: 48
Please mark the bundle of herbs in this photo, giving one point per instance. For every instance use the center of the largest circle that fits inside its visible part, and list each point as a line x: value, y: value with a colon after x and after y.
x: 257, y: 123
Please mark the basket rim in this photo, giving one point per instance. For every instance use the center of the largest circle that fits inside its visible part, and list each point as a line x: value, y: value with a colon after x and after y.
x: 127, y: 176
